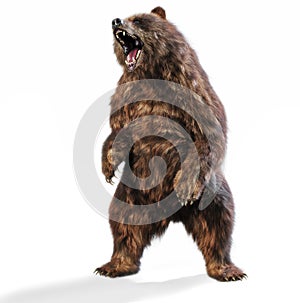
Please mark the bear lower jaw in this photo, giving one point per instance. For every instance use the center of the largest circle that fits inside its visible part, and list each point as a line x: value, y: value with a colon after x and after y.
x: 132, y: 59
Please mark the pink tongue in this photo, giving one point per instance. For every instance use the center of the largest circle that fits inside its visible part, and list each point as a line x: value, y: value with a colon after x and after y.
x: 131, y: 56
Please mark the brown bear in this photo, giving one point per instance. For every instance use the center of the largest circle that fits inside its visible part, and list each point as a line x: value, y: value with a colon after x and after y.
x: 152, y: 51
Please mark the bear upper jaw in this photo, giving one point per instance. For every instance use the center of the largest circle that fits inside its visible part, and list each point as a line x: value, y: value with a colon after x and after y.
x: 131, y: 45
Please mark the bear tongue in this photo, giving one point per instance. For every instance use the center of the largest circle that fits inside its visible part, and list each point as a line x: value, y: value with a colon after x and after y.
x: 131, y: 56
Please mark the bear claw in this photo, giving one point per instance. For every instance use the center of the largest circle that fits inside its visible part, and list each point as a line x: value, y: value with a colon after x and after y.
x: 185, y: 202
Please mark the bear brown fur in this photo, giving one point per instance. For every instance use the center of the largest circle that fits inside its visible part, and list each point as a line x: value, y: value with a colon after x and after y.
x: 148, y: 46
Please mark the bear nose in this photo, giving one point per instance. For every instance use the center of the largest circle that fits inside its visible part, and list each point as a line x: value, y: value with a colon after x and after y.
x: 116, y: 23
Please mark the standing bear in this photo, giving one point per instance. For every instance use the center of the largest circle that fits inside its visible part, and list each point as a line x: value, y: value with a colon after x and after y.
x: 169, y: 128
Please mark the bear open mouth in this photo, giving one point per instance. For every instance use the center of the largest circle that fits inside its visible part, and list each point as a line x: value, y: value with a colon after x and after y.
x: 132, y: 47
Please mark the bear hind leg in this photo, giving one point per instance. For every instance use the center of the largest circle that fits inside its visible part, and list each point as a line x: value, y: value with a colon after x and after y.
x: 211, y: 229
x: 129, y: 244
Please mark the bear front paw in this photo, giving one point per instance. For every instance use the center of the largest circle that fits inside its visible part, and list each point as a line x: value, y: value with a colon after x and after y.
x: 108, y: 172
x: 187, y: 189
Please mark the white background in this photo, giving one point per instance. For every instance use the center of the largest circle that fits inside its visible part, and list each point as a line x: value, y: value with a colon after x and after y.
x: 56, y: 58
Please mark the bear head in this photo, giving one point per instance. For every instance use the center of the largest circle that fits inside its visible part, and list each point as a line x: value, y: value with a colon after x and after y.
x: 145, y: 41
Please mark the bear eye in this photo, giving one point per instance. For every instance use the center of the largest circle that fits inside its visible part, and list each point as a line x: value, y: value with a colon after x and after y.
x: 136, y: 21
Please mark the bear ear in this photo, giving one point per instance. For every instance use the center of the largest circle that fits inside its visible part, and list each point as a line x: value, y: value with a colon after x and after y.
x: 159, y: 11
